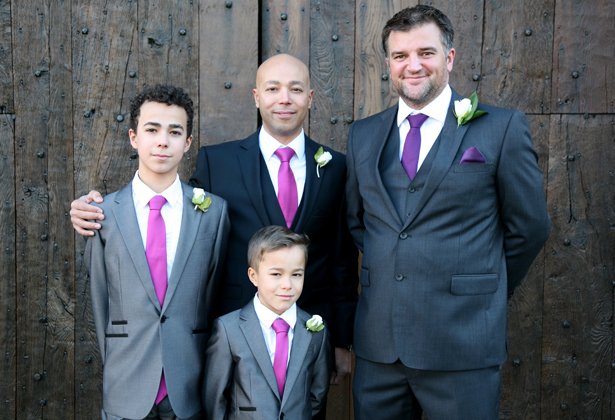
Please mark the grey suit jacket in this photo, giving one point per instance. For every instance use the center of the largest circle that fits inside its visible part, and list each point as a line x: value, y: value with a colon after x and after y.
x: 136, y: 337
x: 239, y: 378
x: 434, y: 284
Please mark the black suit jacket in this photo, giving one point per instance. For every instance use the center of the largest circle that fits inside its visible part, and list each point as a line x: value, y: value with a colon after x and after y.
x: 233, y: 171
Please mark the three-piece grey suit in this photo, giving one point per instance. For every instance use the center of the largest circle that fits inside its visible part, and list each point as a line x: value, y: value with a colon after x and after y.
x: 444, y: 251
x: 137, y: 337
x: 239, y: 378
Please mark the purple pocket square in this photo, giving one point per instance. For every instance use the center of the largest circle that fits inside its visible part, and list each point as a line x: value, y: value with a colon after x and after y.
x: 472, y: 155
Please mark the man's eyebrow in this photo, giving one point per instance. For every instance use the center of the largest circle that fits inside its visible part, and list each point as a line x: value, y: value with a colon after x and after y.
x: 176, y: 126
x: 155, y: 124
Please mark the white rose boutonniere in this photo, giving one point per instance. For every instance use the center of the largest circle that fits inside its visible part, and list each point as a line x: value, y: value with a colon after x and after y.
x: 465, y: 109
x: 315, y: 323
x: 322, y: 158
x: 200, y: 201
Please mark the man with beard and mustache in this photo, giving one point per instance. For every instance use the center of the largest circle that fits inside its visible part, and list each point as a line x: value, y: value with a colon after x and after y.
x: 449, y: 215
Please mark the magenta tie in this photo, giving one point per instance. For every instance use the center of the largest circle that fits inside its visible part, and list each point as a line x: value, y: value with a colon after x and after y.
x: 287, y: 186
x: 412, y: 146
x: 156, y: 253
x: 280, y: 360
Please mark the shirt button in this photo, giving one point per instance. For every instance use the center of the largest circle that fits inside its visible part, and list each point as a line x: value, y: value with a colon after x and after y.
x: 403, y: 235
x: 399, y: 277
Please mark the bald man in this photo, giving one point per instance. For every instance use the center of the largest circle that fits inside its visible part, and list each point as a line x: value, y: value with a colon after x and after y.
x: 249, y: 174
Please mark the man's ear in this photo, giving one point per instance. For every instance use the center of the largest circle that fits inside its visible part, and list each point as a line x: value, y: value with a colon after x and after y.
x: 188, y: 143
x: 255, y: 93
x: 133, y: 138
x: 252, y: 276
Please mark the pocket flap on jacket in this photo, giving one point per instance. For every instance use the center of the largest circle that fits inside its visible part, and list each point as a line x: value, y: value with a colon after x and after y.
x: 474, y: 284
x: 364, y: 279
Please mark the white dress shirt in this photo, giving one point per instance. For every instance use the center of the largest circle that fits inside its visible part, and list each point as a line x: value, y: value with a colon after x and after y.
x: 436, y: 110
x: 266, y: 317
x: 171, y: 213
x: 269, y: 145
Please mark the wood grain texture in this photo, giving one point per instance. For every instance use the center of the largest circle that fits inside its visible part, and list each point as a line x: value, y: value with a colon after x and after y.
x: 228, y: 59
x: 578, y: 292
x: 168, y: 53
x: 521, y: 380
x: 467, y: 19
x: 6, y: 59
x: 8, y: 319
x: 332, y: 72
x: 373, y: 90
x: 517, y: 51
x: 285, y: 28
x: 583, y: 71
x: 103, y: 58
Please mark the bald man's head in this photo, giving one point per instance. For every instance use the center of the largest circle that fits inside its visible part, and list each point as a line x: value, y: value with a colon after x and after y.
x: 283, y: 96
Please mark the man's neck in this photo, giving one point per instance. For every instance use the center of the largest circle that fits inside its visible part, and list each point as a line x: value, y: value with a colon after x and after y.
x: 157, y: 182
x: 284, y: 139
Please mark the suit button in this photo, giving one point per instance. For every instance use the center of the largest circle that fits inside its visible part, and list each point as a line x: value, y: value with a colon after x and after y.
x: 411, y: 189
x: 164, y: 318
x: 399, y: 277
x: 403, y: 235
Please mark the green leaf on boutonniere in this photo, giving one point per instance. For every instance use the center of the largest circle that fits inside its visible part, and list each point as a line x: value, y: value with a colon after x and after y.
x: 200, y: 201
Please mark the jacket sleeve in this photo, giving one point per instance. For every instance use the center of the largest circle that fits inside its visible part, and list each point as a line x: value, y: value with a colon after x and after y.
x: 321, y: 376
x: 219, y: 367
x: 200, y: 177
x: 95, y: 263
x: 217, y: 263
x: 353, y: 196
x: 522, y: 200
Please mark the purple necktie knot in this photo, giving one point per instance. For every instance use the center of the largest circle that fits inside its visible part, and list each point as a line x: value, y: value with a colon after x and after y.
x: 280, y: 359
x: 157, y: 202
x: 285, y: 154
x: 417, y: 120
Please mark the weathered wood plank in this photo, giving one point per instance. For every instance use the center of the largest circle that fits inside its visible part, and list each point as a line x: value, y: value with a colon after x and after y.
x: 332, y: 72
x: 105, y: 51
x: 285, y: 28
x: 578, y: 291
x: 517, y: 51
x: 521, y: 374
x: 467, y: 19
x: 168, y: 53
x: 6, y: 59
x: 228, y: 59
x: 373, y: 91
x: 8, y: 321
x: 583, y: 71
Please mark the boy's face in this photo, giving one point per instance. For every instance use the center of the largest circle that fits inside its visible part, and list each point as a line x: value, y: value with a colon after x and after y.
x: 279, y: 278
x: 160, y: 139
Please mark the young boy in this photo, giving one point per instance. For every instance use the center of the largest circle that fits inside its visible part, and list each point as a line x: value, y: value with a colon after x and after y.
x: 261, y: 360
x: 154, y: 268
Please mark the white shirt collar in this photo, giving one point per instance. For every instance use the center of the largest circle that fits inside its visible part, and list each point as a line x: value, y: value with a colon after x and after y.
x: 266, y: 316
x: 436, y: 109
x: 143, y: 194
x: 269, y: 145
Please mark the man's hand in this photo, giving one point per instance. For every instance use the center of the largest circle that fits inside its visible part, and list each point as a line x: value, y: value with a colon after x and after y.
x: 343, y: 362
x: 81, y: 211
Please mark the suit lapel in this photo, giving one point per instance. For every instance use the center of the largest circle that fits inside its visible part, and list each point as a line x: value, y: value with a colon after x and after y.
x: 191, y: 220
x: 312, y: 183
x: 301, y: 342
x: 251, y: 329
x: 126, y: 218
x: 248, y: 157
x: 450, y: 141
x: 383, y: 133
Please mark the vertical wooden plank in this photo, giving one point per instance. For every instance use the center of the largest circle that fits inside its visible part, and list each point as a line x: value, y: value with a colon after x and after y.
x: 6, y: 59
x: 517, y: 55
x: 332, y: 71
x: 580, y: 254
x: 168, y: 53
x: 467, y: 19
x: 583, y: 73
x: 285, y: 28
x: 105, y: 47
x: 521, y: 380
x: 31, y: 68
x: 228, y: 59
x: 8, y: 344
x: 373, y: 90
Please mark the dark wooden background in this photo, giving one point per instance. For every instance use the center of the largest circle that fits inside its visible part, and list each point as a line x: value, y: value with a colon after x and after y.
x: 68, y: 69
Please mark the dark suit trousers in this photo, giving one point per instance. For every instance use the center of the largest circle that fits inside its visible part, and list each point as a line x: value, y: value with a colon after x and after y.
x: 396, y: 392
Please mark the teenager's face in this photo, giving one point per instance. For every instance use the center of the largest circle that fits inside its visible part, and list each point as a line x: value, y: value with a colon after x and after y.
x: 279, y: 278
x: 283, y: 96
x: 418, y: 64
x: 160, y: 139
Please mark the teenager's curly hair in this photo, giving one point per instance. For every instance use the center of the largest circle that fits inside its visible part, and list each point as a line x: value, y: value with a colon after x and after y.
x: 164, y: 94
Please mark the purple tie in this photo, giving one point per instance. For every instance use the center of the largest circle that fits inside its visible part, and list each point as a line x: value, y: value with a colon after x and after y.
x: 280, y: 360
x: 287, y: 186
x: 156, y: 253
x: 412, y: 147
